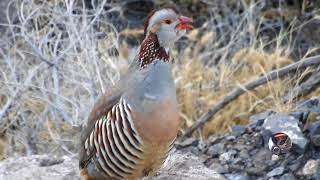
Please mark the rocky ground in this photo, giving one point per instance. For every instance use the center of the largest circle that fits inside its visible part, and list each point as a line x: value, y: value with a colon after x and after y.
x: 242, y: 154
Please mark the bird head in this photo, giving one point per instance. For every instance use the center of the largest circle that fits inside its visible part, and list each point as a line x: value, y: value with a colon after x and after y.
x: 167, y: 24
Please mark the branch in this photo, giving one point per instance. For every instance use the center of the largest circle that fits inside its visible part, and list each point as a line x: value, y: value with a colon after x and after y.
x: 305, y: 88
x: 311, y: 61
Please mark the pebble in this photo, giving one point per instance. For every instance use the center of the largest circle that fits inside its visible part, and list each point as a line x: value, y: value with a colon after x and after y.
x: 287, y: 176
x: 230, y: 138
x: 238, y: 130
x: 311, y: 167
x: 237, y: 177
x: 276, y: 172
x: 314, y: 129
x: 219, y: 168
x: 227, y: 156
x: 244, y: 154
x: 216, y: 149
x: 312, y: 105
x: 300, y: 115
x: 186, y: 143
x: 258, y: 119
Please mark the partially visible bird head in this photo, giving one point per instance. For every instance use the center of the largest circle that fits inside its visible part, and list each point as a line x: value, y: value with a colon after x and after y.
x: 167, y: 24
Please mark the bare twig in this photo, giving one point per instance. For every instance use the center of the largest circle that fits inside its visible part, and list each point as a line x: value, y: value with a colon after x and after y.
x: 305, y: 88
x: 278, y: 73
x: 26, y: 82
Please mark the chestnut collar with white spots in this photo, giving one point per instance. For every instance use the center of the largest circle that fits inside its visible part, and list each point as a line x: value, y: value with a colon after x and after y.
x: 151, y: 50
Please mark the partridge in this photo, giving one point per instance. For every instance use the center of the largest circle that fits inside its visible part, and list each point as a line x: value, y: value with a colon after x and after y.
x: 132, y: 127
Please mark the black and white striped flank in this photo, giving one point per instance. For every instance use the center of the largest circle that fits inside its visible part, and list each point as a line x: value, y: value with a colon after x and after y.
x: 117, y: 146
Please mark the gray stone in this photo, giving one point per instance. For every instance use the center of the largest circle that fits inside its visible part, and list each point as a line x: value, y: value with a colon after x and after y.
x: 287, y: 124
x: 214, y: 139
x: 228, y: 156
x: 262, y: 155
x: 178, y: 166
x: 24, y: 168
x: 276, y: 172
x: 186, y: 143
x: 216, y: 149
x: 312, y: 105
x: 255, y: 170
x: 287, y: 176
x: 217, y: 167
x: 202, y: 145
x: 237, y: 177
x: 238, y: 130
x: 314, y: 129
x: 258, y: 119
x: 236, y: 160
x: 300, y: 115
x: 311, y: 167
x: 230, y: 138
x: 244, y: 154
x: 185, y: 166
x: 294, y: 167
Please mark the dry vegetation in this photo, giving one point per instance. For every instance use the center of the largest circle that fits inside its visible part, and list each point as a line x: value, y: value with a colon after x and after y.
x: 57, y: 57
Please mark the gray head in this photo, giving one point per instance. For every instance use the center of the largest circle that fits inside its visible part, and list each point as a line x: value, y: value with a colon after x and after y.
x: 167, y: 24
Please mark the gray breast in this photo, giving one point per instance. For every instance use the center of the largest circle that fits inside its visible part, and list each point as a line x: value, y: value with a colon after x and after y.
x: 150, y: 86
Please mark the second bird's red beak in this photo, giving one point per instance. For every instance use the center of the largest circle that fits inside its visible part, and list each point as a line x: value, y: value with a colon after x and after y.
x: 184, y: 23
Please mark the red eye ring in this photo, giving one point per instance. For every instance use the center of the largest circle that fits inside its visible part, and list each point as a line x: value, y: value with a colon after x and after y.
x: 168, y: 21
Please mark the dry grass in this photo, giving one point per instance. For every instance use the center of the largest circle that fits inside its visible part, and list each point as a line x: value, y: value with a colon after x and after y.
x: 58, y: 58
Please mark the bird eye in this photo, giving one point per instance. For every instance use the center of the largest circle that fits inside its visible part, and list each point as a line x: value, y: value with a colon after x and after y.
x: 168, y: 21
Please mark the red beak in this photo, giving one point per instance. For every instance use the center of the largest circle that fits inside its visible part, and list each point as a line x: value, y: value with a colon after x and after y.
x: 184, y: 23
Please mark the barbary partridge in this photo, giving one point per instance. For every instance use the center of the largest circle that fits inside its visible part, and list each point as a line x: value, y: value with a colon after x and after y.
x: 131, y: 128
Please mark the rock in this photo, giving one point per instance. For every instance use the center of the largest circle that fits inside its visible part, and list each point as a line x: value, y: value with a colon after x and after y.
x: 276, y: 172
x: 300, y: 115
x: 262, y: 155
x: 185, y: 166
x: 31, y: 167
x: 244, y: 154
x: 294, y: 167
x: 179, y: 165
x: 258, y: 119
x: 227, y: 156
x: 258, y: 140
x: 202, y: 145
x: 314, y: 131
x: 194, y: 150
x: 311, y: 167
x: 274, y: 157
x: 238, y: 130
x: 287, y: 176
x: 257, y: 171
x: 186, y: 143
x: 311, y: 105
x: 214, y: 139
x: 216, y: 149
x: 266, y: 134
x: 230, y: 138
x: 287, y: 124
x: 237, y: 177
x: 217, y: 167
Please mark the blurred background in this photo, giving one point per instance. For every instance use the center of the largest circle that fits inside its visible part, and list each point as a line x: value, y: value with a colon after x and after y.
x: 58, y: 56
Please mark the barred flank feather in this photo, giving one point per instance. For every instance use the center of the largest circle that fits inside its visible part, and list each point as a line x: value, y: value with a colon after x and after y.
x: 116, y: 142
